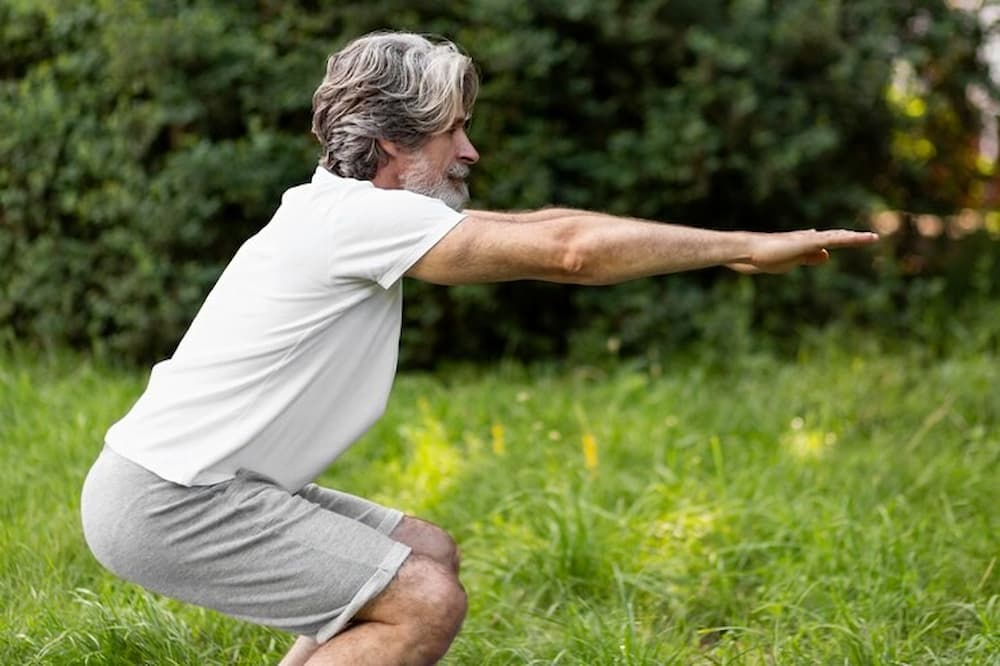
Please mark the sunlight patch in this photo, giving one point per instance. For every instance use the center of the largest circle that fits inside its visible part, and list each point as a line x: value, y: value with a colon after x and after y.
x: 807, y: 443
x: 686, y: 525
x: 433, y: 465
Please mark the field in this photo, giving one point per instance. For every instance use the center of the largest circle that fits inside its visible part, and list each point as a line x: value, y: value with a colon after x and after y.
x: 842, y: 507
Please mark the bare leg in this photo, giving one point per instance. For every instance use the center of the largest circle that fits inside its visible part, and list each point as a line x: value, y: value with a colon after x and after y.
x: 412, y: 623
x: 368, y: 638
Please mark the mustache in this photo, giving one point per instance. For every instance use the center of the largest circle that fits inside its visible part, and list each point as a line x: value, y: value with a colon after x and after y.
x: 458, y: 171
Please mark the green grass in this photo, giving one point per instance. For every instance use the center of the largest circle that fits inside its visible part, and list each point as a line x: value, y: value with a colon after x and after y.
x: 843, y: 508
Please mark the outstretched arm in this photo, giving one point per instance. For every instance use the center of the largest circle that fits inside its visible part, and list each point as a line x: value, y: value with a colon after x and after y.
x: 580, y: 247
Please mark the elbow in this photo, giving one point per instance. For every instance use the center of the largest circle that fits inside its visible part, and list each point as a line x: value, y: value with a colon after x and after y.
x: 572, y: 264
x: 578, y: 264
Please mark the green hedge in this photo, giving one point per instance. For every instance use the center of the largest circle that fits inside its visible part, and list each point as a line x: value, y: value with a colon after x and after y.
x: 143, y: 141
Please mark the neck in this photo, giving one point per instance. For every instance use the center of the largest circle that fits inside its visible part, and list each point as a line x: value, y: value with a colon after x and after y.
x: 387, y: 181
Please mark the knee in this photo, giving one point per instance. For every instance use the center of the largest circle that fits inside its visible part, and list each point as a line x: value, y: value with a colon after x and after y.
x: 439, y: 593
x: 429, y: 540
x: 439, y: 603
x: 448, y: 553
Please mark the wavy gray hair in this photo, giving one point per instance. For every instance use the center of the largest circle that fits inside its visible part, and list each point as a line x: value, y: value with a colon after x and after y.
x: 400, y: 87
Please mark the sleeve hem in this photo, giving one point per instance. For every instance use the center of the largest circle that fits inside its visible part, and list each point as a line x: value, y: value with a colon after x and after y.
x: 429, y: 240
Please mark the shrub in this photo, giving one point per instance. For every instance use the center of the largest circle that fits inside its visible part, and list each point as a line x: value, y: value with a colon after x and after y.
x: 143, y: 141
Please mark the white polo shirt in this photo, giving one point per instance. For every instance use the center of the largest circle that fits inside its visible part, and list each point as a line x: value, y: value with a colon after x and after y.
x: 292, y: 356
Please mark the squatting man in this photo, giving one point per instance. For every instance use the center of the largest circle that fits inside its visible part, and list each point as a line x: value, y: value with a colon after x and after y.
x: 203, y: 491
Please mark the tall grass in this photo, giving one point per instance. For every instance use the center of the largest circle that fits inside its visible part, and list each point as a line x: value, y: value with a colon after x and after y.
x: 838, y: 508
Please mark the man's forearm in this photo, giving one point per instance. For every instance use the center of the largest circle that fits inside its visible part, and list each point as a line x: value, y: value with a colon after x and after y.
x: 604, y: 249
x: 608, y: 248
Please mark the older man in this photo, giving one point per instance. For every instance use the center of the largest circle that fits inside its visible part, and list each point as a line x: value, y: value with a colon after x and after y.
x: 204, y: 490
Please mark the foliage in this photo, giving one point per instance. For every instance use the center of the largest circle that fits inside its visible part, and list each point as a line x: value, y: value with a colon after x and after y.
x: 840, y: 508
x: 142, y: 147
x: 143, y: 141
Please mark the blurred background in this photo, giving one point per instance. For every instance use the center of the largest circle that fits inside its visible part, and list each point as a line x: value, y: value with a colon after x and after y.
x: 142, y: 141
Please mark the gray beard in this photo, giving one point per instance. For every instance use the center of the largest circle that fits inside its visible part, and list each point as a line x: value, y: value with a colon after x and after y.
x: 450, y: 188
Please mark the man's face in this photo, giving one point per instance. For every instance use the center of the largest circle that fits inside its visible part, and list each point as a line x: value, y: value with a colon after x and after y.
x: 439, y: 168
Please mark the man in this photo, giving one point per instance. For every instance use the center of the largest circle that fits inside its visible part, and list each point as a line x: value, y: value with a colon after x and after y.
x: 203, y: 491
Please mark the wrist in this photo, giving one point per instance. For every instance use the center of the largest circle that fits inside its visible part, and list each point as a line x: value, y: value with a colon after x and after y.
x: 740, y: 248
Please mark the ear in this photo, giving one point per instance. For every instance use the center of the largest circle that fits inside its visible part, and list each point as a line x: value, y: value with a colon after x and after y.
x: 390, y: 148
x: 387, y: 174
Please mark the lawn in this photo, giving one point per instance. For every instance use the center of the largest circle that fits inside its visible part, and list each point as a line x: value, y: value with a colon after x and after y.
x: 839, y: 507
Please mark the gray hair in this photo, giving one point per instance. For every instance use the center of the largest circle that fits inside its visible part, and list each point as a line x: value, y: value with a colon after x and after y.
x: 399, y: 87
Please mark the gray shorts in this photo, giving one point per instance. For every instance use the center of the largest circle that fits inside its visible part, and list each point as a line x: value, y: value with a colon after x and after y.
x: 303, y: 563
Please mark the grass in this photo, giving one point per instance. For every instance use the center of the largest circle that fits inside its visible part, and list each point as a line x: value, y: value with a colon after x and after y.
x: 841, y: 508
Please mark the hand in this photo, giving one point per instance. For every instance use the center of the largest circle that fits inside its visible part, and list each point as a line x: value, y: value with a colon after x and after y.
x: 781, y: 252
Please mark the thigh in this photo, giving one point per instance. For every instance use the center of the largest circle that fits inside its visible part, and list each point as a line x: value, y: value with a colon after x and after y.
x: 245, y: 547
x: 356, y: 508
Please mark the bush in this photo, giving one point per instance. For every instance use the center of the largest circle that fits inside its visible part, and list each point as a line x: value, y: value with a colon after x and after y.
x: 143, y: 141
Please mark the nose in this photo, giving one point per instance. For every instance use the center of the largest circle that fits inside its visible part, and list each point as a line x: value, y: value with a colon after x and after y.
x: 467, y: 153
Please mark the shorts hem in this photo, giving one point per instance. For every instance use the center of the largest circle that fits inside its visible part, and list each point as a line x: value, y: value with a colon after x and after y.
x: 389, y: 522
x: 375, y: 584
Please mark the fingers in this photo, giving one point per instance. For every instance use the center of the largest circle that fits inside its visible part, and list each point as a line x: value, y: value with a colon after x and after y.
x: 779, y: 253
x: 845, y: 238
x: 838, y: 238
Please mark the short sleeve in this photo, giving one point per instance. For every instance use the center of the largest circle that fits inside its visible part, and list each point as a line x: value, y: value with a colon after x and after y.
x: 379, y: 234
